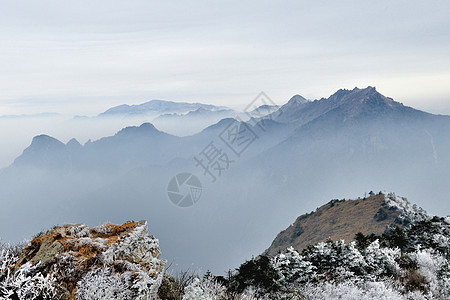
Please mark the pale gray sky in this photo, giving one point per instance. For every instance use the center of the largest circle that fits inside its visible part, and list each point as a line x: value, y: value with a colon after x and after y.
x: 81, y: 57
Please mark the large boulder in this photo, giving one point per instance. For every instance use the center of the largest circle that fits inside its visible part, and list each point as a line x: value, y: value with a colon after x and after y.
x: 104, y: 262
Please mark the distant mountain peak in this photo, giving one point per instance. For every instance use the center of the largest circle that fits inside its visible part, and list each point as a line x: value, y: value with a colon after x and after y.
x: 158, y: 107
x: 368, y: 96
x: 147, y: 126
x: 198, y: 111
x: 73, y: 143
x: 347, y: 105
x: 297, y: 99
x: 368, y: 88
x: 142, y: 129
x: 222, y: 124
x: 355, y: 92
x: 42, y: 151
x: 44, y: 140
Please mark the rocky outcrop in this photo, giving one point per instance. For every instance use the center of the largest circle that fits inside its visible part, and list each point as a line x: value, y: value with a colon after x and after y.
x: 78, y: 262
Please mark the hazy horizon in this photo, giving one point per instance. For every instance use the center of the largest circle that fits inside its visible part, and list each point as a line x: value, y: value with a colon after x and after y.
x: 59, y: 126
x: 81, y: 59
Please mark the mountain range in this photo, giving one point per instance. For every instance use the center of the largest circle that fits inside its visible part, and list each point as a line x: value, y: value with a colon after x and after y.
x: 158, y: 107
x: 272, y: 169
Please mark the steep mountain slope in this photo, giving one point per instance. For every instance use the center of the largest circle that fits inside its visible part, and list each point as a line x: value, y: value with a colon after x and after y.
x: 343, y: 219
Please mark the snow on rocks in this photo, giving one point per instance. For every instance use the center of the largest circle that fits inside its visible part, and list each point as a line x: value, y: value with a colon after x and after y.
x: 78, y: 262
x: 410, y: 213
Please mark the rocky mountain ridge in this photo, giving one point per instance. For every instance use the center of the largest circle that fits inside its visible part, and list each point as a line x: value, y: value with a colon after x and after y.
x: 343, y: 219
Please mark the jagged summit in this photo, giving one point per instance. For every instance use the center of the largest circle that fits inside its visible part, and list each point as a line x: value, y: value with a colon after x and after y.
x: 357, y: 104
x: 366, y: 95
x: 342, y: 219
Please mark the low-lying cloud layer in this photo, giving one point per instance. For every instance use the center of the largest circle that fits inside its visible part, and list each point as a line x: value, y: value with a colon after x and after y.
x: 80, y: 57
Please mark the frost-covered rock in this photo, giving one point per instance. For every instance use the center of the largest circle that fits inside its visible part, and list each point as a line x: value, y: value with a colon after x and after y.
x: 78, y: 262
x: 409, y: 213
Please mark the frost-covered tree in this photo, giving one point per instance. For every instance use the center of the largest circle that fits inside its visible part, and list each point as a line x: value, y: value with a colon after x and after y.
x: 206, y: 289
x: 356, y: 290
x: 292, y: 268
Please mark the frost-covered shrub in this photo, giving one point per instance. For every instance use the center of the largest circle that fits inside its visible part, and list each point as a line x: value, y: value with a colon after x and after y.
x: 356, y: 290
x: 257, y: 273
x: 27, y: 283
x: 210, y: 289
x: 381, y: 261
x: 292, y: 268
x: 249, y: 294
x: 206, y: 289
x: 433, y: 267
x: 7, y: 261
x: 427, y: 234
x: 335, y: 260
x: 79, y: 231
x: 329, y: 269
x: 103, y: 284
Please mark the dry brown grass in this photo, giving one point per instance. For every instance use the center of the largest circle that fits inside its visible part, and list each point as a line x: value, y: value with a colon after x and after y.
x: 336, y: 220
x: 113, y: 230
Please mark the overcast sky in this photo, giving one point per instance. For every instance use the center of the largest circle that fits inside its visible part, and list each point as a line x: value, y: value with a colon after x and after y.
x: 81, y: 57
